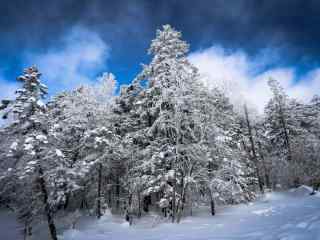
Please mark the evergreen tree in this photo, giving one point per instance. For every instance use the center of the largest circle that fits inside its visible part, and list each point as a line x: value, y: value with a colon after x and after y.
x: 282, y: 127
x: 28, y: 100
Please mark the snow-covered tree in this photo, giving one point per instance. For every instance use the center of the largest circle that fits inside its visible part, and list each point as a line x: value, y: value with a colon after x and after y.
x: 228, y: 166
x: 282, y: 127
x: 28, y: 100
x: 22, y: 117
x: 75, y: 113
x: 171, y: 154
x: 101, y: 160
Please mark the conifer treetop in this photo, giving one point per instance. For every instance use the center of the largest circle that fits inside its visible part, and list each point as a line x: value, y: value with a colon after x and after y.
x: 168, y: 43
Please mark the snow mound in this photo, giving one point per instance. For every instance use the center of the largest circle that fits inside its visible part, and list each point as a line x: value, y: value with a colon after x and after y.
x: 301, y: 191
x: 265, y: 212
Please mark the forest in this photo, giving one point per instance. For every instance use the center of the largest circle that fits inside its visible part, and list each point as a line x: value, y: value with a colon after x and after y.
x: 164, y: 144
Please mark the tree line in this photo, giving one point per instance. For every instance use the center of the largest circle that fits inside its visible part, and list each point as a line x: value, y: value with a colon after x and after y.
x: 165, y: 144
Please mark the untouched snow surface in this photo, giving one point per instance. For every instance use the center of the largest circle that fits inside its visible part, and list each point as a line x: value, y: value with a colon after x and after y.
x: 10, y: 229
x: 294, y: 215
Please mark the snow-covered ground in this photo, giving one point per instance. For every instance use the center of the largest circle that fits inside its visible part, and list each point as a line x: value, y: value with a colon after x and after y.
x: 10, y: 229
x: 279, y: 216
x: 294, y: 215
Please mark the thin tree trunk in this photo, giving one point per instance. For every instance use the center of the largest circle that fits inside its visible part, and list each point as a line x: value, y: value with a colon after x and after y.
x: 48, y: 211
x: 253, y: 149
x: 109, y: 186
x: 139, y: 204
x: 66, y: 203
x: 266, y: 172
x: 285, y: 129
x: 181, y: 202
x: 129, y: 217
x: 296, y: 180
x: 213, y: 208
x: 173, y: 202
x: 27, y: 231
x: 174, y: 184
x: 212, y: 204
x: 118, y: 194
x: 99, y: 213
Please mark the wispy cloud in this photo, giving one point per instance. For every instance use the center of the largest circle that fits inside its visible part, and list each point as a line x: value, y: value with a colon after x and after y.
x: 74, y: 60
x: 245, y: 79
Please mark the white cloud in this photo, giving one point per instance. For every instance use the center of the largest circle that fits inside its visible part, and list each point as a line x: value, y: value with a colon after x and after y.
x: 77, y: 59
x: 244, y: 78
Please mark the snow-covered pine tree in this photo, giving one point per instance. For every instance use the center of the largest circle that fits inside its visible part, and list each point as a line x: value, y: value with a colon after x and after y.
x: 170, y: 156
x: 71, y: 116
x: 283, y: 131
x: 129, y: 123
x: 28, y: 112
x: 279, y: 119
x: 102, y: 164
x: 264, y: 152
x: 28, y: 100
x: 250, y: 145
x: 306, y: 146
x: 229, y: 174
x: 169, y: 104
x: 20, y: 115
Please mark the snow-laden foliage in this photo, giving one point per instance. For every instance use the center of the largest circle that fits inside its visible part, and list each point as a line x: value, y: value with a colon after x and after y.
x: 28, y: 100
x: 172, y: 127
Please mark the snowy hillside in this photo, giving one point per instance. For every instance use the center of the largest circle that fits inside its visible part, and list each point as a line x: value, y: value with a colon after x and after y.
x: 286, y: 216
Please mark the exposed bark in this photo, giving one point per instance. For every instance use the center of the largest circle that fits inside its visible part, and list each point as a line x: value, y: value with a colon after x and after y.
x: 128, y: 214
x: 253, y: 150
x: 173, y: 202
x: 99, y: 212
x: 27, y: 231
x: 109, y: 192
x: 182, y: 199
x: 285, y: 131
x: 66, y: 203
x: 265, y: 170
x: 139, y: 204
x: 212, y: 204
x: 118, y: 193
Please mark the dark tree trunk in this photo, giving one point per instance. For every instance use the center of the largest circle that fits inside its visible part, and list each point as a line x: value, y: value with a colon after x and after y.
x: 164, y: 210
x: 48, y: 211
x: 173, y: 202
x: 66, y: 203
x: 266, y: 172
x: 27, y: 231
x: 139, y: 204
x: 128, y: 213
x: 268, y: 183
x: 213, y: 209
x: 109, y: 192
x: 99, y: 213
x: 285, y: 131
x: 212, y: 204
x: 253, y: 149
x: 146, y: 203
x: 182, y: 200
x: 118, y: 194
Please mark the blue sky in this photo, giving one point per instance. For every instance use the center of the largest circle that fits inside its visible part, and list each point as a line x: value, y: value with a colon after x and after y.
x: 241, y: 42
